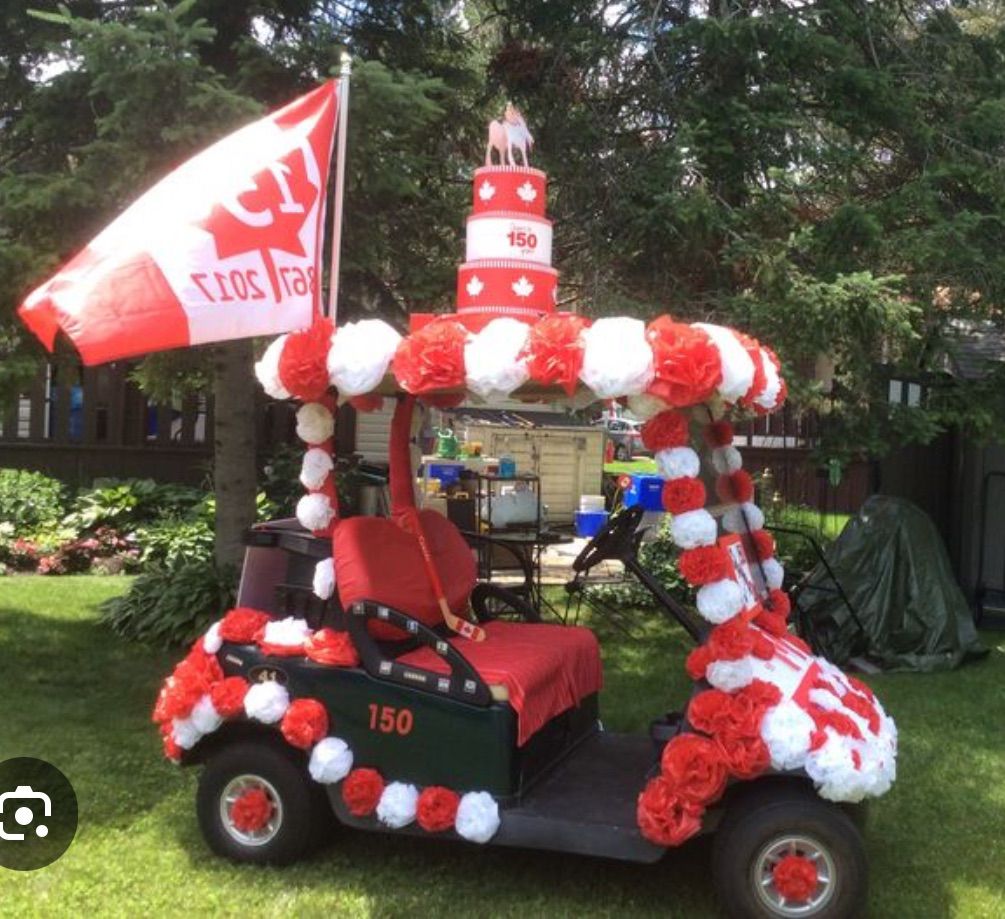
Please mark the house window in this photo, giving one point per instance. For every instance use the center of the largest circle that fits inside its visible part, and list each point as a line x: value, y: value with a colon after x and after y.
x: 905, y: 392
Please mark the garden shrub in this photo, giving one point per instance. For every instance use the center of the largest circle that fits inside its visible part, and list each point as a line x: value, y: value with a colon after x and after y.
x: 128, y: 503
x: 171, y: 605
x: 168, y: 542
x: 30, y: 499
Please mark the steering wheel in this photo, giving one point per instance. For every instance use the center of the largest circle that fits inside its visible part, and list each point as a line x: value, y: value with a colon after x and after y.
x: 613, y: 540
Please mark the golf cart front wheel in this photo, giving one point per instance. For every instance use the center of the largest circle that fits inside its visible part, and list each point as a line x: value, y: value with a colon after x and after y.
x: 256, y: 804
x: 788, y: 856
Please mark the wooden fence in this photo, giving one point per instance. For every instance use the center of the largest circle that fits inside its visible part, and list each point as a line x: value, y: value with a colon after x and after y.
x: 79, y: 423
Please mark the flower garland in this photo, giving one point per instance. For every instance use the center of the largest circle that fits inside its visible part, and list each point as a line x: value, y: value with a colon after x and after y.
x: 771, y: 704
x: 197, y: 699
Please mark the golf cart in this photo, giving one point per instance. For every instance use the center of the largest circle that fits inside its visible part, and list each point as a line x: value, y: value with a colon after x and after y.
x: 512, y: 719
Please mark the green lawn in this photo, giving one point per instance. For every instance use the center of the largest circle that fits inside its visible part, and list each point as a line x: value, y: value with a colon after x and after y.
x: 77, y: 696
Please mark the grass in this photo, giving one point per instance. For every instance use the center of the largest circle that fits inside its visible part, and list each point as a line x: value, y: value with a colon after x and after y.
x: 80, y: 698
x: 641, y: 466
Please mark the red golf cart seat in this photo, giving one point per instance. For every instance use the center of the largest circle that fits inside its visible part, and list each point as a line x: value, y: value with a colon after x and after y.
x: 544, y: 669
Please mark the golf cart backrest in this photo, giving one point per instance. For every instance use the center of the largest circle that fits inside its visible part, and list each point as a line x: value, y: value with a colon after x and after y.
x: 278, y: 572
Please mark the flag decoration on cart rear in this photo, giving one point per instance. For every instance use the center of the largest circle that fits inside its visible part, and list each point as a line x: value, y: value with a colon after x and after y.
x: 227, y: 246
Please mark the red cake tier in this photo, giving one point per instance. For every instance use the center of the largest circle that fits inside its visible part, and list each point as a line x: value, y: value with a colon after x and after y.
x: 510, y: 188
x: 505, y: 281
x: 505, y: 235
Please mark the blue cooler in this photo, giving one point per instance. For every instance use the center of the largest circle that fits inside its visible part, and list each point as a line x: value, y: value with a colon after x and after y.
x: 448, y: 473
x: 588, y: 523
x: 646, y: 490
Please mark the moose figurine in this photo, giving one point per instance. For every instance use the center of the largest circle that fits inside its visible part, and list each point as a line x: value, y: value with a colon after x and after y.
x: 508, y: 135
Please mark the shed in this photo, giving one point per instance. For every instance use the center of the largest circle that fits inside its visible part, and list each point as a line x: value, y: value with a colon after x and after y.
x: 566, y: 452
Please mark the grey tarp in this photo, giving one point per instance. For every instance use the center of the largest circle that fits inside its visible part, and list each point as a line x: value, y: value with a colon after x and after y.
x: 894, y: 569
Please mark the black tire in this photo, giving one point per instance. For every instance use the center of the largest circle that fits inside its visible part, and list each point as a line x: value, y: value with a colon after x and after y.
x: 622, y: 453
x: 765, y: 820
x: 303, y: 814
x: 490, y: 602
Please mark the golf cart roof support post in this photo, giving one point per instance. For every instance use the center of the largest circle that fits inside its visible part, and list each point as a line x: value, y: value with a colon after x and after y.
x: 400, y: 457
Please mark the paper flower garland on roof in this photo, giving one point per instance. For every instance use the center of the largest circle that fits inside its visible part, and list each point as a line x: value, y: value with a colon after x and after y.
x: 686, y: 365
x: 360, y: 354
x: 617, y: 360
x: 554, y: 351
x: 432, y: 358
x: 492, y: 358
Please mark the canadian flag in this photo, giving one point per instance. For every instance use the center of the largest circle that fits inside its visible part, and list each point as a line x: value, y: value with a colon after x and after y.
x: 226, y: 246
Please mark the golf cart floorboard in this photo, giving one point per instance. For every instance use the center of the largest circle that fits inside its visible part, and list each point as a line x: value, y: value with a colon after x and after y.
x: 586, y: 805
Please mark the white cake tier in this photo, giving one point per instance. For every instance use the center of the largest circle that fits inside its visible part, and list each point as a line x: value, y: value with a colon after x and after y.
x: 508, y: 236
x: 505, y: 281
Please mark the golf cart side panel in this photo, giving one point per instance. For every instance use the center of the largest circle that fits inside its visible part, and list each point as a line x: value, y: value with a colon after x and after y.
x: 419, y: 737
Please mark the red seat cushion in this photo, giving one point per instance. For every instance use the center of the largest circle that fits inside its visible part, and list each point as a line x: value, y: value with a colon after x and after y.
x: 546, y: 669
x: 377, y: 560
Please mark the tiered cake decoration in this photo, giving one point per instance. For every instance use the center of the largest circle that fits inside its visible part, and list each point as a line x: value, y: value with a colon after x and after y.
x: 507, y: 269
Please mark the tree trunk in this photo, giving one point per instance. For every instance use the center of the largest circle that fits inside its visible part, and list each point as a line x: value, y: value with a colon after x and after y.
x: 234, y: 473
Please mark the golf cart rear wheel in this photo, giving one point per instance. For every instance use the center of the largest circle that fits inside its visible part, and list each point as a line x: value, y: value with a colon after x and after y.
x: 290, y: 818
x: 767, y: 828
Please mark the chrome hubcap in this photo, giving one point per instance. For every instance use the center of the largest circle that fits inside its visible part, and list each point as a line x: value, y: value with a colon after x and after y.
x: 239, y: 786
x: 763, y: 880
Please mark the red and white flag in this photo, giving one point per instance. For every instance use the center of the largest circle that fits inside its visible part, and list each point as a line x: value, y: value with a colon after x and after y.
x: 227, y: 246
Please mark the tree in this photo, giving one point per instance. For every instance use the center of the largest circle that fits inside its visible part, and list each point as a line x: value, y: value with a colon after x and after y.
x: 827, y: 175
x: 134, y: 89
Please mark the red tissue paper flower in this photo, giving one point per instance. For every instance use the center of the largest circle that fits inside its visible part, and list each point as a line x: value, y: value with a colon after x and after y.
x: 664, y: 817
x: 228, y: 695
x: 554, y: 351
x: 326, y: 646
x: 437, y: 808
x: 720, y: 714
x: 778, y: 602
x: 432, y: 358
x: 686, y: 364
x: 193, y: 676
x: 747, y: 755
x: 251, y: 811
x: 697, y: 663
x: 694, y: 767
x: 772, y: 623
x: 361, y: 791
x: 666, y: 430
x: 305, y: 723
x: 795, y: 878
x: 683, y: 494
x: 303, y: 367
x: 241, y: 625
x: 737, y: 487
x: 718, y: 434
x: 731, y: 640
x: 704, y: 565
x: 761, y: 694
x: 760, y: 544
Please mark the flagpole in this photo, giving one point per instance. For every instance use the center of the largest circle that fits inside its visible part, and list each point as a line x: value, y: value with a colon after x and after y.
x: 343, y: 121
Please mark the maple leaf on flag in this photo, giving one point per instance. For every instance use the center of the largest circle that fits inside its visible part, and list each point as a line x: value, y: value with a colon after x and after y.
x: 268, y: 214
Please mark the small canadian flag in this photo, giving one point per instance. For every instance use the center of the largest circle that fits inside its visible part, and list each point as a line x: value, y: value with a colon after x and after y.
x: 226, y: 246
